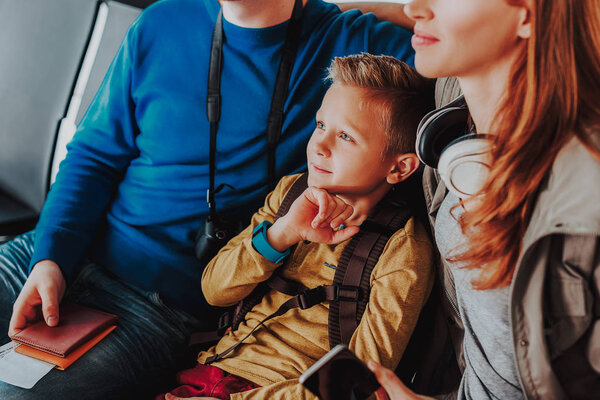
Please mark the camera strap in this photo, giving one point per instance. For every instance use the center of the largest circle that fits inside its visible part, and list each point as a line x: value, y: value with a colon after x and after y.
x: 275, y: 119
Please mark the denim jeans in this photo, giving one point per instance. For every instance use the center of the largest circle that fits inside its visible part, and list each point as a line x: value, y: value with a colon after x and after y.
x: 136, y: 360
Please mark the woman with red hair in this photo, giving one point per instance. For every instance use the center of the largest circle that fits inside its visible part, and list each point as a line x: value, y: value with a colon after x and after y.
x: 514, y: 200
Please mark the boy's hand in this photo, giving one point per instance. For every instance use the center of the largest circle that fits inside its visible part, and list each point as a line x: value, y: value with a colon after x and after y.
x: 43, y: 289
x: 316, y: 216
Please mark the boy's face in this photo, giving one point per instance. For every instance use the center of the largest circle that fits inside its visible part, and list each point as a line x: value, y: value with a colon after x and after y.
x: 345, y: 150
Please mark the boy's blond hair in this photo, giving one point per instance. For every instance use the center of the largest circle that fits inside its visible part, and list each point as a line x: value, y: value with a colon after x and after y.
x: 402, y: 95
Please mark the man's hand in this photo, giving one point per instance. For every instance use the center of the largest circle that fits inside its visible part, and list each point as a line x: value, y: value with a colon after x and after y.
x: 45, y: 287
x: 316, y: 216
x: 385, y: 11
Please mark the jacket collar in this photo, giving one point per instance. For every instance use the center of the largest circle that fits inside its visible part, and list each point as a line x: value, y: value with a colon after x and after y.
x: 570, y: 201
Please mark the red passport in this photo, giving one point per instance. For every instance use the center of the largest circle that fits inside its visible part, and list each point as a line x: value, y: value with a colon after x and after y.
x: 63, y: 362
x: 77, y: 325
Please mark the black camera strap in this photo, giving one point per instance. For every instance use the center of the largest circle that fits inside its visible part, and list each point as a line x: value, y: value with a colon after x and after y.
x: 275, y: 120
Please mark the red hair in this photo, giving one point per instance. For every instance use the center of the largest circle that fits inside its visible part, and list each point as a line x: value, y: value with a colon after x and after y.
x: 552, y: 97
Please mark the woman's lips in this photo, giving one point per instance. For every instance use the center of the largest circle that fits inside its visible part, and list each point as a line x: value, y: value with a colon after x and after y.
x: 422, y: 39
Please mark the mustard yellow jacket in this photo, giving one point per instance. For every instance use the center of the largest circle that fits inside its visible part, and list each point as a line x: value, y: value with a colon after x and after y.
x: 279, y: 352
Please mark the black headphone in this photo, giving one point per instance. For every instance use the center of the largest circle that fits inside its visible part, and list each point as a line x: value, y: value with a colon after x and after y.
x: 444, y: 142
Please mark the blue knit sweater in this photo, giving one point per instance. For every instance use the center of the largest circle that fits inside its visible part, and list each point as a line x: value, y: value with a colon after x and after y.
x: 131, y: 193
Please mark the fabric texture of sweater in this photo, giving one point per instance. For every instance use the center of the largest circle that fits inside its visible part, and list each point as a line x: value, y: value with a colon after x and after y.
x: 131, y: 193
x: 277, y: 353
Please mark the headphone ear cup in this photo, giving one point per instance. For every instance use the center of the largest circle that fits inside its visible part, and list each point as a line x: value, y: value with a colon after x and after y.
x: 464, y: 164
x: 437, y: 129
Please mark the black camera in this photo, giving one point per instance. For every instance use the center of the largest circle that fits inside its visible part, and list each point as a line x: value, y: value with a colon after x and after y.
x: 215, y: 233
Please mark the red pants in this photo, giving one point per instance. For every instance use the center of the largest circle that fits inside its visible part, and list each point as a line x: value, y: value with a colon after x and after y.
x: 209, y: 381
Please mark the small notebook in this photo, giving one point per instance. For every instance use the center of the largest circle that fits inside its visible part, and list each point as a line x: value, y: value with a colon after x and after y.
x: 77, y: 325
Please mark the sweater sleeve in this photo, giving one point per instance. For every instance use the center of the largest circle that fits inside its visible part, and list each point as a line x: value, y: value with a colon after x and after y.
x: 400, y: 285
x: 237, y: 268
x: 101, y: 150
x: 377, y: 37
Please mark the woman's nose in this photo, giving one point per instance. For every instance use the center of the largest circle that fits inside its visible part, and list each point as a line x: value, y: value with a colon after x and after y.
x: 418, y: 10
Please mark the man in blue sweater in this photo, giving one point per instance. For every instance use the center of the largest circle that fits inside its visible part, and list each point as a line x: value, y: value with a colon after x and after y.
x: 118, y: 227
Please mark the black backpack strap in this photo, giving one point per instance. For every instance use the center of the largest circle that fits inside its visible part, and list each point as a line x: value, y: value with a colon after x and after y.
x: 211, y: 336
x: 356, y: 263
x: 276, y: 282
x: 304, y: 300
x: 233, y: 318
x: 296, y: 190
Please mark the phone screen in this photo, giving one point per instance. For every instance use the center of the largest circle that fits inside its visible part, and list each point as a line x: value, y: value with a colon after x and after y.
x: 340, y: 375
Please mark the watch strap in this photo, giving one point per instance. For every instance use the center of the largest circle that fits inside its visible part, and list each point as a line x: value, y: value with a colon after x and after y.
x: 262, y: 245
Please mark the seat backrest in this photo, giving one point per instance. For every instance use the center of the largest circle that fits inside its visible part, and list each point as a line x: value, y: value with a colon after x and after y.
x: 55, y: 54
x: 41, y: 42
x: 111, y: 24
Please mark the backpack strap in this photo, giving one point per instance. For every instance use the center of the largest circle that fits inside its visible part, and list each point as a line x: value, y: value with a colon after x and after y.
x: 304, y: 300
x: 233, y: 318
x: 353, y: 273
x: 276, y: 282
x: 349, y: 293
x: 295, y: 191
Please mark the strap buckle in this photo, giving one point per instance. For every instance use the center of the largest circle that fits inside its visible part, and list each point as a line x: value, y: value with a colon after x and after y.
x: 310, y: 298
x: 347, y: 293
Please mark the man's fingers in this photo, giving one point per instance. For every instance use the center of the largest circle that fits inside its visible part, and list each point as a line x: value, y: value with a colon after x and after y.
x: 45, y: 286
x: 18, y: 321
x: 49, y: 296
x: 24, y: 309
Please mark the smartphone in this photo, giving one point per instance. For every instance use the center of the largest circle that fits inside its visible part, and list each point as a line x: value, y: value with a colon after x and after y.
x: 340, y: 375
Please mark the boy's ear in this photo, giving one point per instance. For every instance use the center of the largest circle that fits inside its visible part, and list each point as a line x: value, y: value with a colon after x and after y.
x: 403, y: 167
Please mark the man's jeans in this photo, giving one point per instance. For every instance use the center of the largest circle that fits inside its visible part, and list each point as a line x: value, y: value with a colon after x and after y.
x: 136, y: 360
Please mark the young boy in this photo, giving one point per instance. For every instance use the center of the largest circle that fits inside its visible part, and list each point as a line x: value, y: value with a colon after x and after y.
x: 361, y: 147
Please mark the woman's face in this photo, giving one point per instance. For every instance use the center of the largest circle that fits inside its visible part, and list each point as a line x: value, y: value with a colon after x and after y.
x: 466, y: 37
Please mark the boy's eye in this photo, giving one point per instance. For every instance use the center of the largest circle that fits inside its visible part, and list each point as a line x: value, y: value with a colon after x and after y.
x: 345, y: 136
x: 320, y: 125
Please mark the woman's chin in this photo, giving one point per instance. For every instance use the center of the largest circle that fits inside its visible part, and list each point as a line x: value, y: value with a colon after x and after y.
x: 428, y: 68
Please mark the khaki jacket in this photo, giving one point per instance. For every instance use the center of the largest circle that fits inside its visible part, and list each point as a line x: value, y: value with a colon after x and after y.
x: 555, y: 293
x: 277, y: 353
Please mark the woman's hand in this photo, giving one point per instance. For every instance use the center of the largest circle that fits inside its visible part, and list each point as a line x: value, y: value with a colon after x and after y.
x: 392, y: 387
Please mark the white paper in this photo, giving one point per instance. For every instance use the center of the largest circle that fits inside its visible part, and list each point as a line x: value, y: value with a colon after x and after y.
x: 20, y: 370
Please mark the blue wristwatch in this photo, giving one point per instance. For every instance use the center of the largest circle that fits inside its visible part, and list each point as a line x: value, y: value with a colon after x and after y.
x: 262, y: 245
